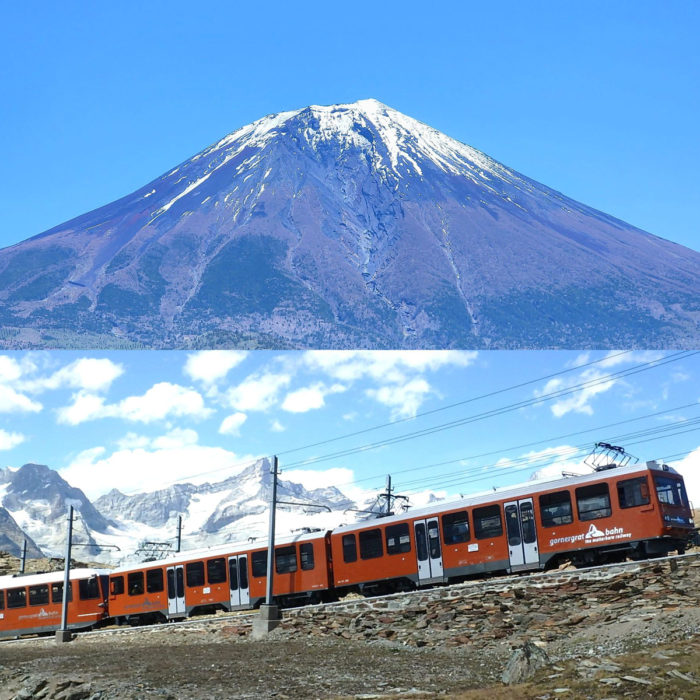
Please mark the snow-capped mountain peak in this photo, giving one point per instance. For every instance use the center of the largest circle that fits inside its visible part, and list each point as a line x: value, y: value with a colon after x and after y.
x: 350, y: 225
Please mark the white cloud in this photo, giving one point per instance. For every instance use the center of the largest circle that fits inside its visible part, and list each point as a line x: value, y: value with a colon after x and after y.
x: 231, y: 425
x: 10, y: 369
x: 10, y: 440
x: 548, y: 463
x: 614, y: 358
x: 85, y: 407
x: 162, y: 400
x: 209, y: 366
x: 176, y: 438
x: 257, y: 392
x: 689, y: 467
x: 140, y: 469
x: 384, y: 365
x: 277, y: 427
x: 309, y: 398
x: 86, y: 374
x: 403, y: 399
x: 13, y: 402
x: 132, y: 440
x: 579, y: 401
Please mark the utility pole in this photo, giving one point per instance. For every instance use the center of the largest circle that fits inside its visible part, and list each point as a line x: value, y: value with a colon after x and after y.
x: 23, y: 558
x: 387, y: 495
x: 269, y: 613
x: 271, y: 538
x: 179, y: 533
x: 63, y: 634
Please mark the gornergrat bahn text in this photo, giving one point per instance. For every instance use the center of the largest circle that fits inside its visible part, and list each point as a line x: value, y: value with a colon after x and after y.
x: 615, y: 513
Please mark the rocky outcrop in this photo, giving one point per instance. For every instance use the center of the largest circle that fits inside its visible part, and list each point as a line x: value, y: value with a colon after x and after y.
x: 538, y: 608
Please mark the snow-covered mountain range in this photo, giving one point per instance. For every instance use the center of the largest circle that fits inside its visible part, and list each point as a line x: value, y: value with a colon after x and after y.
x: 34, y: 503
x: 347, y: 226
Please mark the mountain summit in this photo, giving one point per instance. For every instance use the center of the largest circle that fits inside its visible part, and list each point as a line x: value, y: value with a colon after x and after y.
x: 347, y: 226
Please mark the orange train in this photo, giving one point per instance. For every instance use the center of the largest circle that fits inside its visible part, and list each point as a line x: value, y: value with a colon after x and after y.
x: 32, y: 603
x: 606, y: 516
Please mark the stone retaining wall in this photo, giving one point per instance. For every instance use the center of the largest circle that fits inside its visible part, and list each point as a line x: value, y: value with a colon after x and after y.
x: 540, y: 607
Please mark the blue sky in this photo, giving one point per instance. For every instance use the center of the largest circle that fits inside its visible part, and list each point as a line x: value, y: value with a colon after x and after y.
x: 598, y: 100
x: 441, y: 421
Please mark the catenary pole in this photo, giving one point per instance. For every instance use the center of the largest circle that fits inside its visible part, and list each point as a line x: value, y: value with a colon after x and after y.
x: 23, y: 558
x: 63, y: 634
x: 271, y: 538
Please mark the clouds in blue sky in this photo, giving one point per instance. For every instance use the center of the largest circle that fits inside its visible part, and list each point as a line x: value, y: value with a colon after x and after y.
x: 138, y: 421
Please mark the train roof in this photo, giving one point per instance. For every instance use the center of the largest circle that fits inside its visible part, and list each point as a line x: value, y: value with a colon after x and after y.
x: 19, y: 580
x: 523, y: 490
x: 219, y: 550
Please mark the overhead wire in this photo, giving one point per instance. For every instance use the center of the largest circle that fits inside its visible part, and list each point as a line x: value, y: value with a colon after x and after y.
x: 493, y: 412
x: 417, y: 416
x: 503, y: 450
x: 541, y: 398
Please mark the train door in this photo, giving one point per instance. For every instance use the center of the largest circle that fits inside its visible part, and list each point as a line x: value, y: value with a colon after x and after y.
x: 428, y: 551
x: 522, y: 535
x: 176, y: 591
x: 238, y: 581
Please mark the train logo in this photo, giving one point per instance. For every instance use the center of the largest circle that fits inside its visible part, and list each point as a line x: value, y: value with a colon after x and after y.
x: 593, y: 531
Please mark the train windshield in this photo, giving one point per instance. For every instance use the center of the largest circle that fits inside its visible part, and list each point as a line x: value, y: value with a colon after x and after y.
x: 671, y: 491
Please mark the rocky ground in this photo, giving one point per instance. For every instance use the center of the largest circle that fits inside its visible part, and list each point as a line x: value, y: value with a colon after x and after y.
x: 630, y: 632
x: 659, y: 659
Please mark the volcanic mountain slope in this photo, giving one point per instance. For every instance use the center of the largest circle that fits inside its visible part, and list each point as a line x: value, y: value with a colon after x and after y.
x: 347, y: 226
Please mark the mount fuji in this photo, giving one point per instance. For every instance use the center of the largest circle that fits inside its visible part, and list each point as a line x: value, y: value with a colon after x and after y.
x: 341, y: 227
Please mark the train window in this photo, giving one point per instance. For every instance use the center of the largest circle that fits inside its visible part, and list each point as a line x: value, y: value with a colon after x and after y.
x: 16, y: 597
x: 455, y: 527
x: 286, y: 560
x: 633, y: 492
x: 593, y: 502
x: 349, y: 548
x: 259, y: 563
x: 216, y: 570
x: 2, y: 600
x: 194, y: 572
x: 233, y: 574
x: 527, y: 523
x: 513, y: 525
x: 433, y: 539
x: 243, y: 572
x: 421, y: 542
x: 117, y: 585
x: 38, y: 595
x: 134, y: 583
x: 57, y: 592
x: 487, y: 522
x: 89, y: 588
x: 371, y: 544
x: 306, y: 554
x: 555, y: 509
x: 154, y: 581
x: 671, y: 491
x: 398, y: 540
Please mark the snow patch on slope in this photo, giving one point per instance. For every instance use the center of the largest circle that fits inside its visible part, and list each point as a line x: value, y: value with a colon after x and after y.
x: 406, y: 143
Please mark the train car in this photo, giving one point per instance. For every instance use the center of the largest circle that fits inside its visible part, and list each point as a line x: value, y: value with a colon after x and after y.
x: 31, y: 603
x: 635, y: 511
x: 227, y: 577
